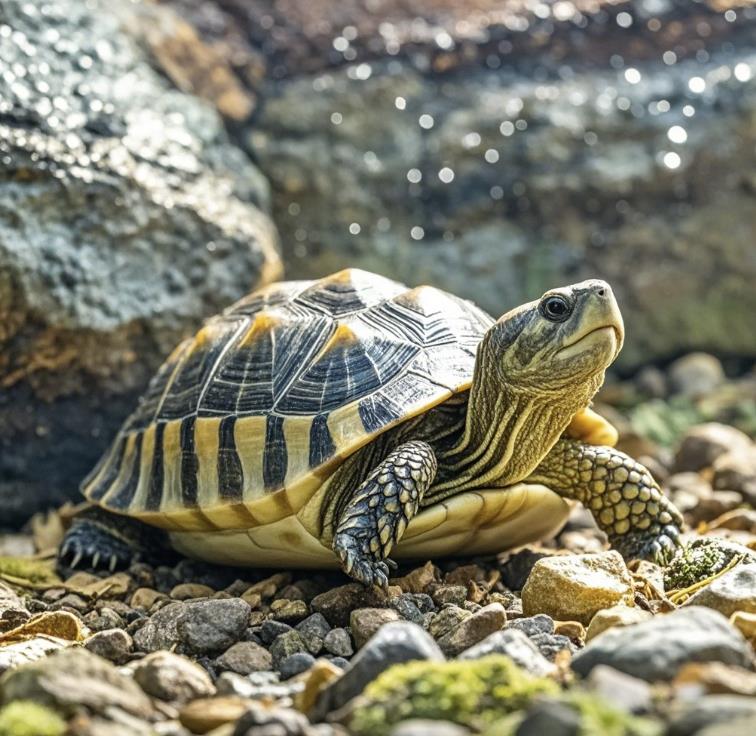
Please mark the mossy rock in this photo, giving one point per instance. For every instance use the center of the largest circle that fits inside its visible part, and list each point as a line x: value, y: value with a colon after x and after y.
x: 702, y: 559
x: 26, y: 718
x: 472, y: 693
x: 595, y: 717
x: 23, y: 569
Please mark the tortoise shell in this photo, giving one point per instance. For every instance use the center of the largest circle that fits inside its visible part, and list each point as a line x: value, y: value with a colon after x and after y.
x: 244, y: 421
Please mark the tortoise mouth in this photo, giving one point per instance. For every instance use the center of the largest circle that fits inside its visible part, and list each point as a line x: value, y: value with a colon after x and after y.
x: 593, y: 337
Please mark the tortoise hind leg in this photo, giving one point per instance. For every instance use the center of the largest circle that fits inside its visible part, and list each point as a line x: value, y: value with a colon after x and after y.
x: 98, y: 539
x: 377, y: 513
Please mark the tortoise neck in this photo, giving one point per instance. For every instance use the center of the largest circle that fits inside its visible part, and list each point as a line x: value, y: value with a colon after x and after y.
x: 508, y: 430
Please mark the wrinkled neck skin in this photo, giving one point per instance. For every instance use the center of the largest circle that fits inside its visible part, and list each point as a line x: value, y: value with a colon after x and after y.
x: 509, y: 428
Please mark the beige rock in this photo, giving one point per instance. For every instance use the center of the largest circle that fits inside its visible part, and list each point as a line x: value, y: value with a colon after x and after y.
x: 145, y: 598
x: 614, y: 616
x: 365, y: 622
x: 704, y: 443
x: 205, y: 714
x: 418, y: 580
x: 172, y: 678
x: 573, y: 630
x: 187, y: 591
x: 575, y: 587
x: 716, y: 678
x: 746, y: 624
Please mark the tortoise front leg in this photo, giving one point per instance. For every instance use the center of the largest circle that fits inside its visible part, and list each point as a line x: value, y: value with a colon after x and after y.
x: 621, y: 494
x: 377, y: 513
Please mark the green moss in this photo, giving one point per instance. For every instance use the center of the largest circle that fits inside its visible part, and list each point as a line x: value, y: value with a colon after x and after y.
x: 26, y: 718
x: 701, y: 559
x: 597, y: 718
x: 25, y: 569
x: 665, y: 422
x: 473, y: 693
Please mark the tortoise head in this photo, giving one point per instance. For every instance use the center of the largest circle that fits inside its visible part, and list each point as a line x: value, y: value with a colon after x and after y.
x: 566, y: 339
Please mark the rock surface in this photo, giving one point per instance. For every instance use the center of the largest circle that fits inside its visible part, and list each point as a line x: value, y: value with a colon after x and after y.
x: 125, y: 218
x: 734, y: 591
x: 575, y: 587
x: 656, y: 649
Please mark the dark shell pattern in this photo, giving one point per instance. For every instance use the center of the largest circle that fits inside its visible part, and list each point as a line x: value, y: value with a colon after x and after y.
x: 249, y: 416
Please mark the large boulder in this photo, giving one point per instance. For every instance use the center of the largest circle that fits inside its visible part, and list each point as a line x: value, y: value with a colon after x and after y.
x: 126, y: 216
x: 496, y: 154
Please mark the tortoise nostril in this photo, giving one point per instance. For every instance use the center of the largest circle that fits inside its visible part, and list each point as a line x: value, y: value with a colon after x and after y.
x: 601, y: 291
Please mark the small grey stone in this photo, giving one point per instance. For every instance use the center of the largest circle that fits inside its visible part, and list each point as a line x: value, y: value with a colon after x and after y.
x: 532, y: 625
x: 691, y: 717
x: 395, y: 643
x: 295, y: 664
x: 447, y: 619
x: 551, y: 644
x: 473, y: 629
x: 443, y: 594
x: 208, y: 626
x: 338, y: 642
x: 550, y: 717
x: 406, y: 608
x: 245, y: 657
x: 112, y: 644
x: 517, y: 646
x: 249, y: 686
x: 286, y: 644
x: 260, y: 720
x: 339, y: 662
x: 365, y: 622
x: 733, y: 591
x: 172, y: 678
x: 314, y: 630
x: 657, y: 648
x: 270, y: 629
x: 159, y: 632
x: 628, y: 693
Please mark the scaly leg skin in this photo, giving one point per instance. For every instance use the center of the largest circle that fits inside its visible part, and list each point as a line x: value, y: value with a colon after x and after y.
x: 378, y: 512
x: 98, y: 539
x: 625, y: 500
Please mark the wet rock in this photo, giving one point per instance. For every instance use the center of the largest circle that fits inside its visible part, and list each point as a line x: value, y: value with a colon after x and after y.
x: 575, y: 587
x: 656, y: 649
x: 70, y: 679
x: 112, y: 644
x: 295, y: 664
x: 365, y: 622
x: 473, y: 629
x: 622, y: 691
x: 695, y: 374
x: 396, y: 642
x: 731, y: 592
x: 337, y: 641
x: 515, y: 645
x: 694, y: 716
x: 245, y: 657
x: 703, y: 444
x: 127, y: 218
x: 172, y: 678
x: 212, y: 625
x: 614, y: 616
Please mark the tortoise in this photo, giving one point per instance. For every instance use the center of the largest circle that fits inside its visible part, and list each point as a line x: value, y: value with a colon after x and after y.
x: 340, y: 421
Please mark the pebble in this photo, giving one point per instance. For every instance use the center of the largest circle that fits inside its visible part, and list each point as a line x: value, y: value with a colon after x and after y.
x: 533, y: 625
x: 338, y: 641
x: 445, y: 594
x: 550, y: 717
x: 517, y: 646
x: 447, y: 619
x: 173, y: 678
x: 695, y: 678
x: 338, y: 603
x: 70, y: 679
x: 736, y: 470
x: 657, y: 648
x: 473, y: 629
x: 395, y: 643
x: 695, y: 374
x: 406, y: 607
x: 113, y: 644
x: 518, y: 566
x: 732, y: 592
x: 212, y: 625
x: 205, y: 714
x: 365, y: 622
x: 623, y: 691
x: 702, y: 444
x: 575, y: 587
x: 313, y: 631
x: 245, y: 657
x: 286, y: 644
x: 13, y: 611
x: 188, y: 591
x: 295, y: 664
x: 271, y: 629
x: 259, y: 720
x: 692, y: 717
x: 614, y: 616
x: 424, y: 727
x: 419, y: 579
x: 290, y: 612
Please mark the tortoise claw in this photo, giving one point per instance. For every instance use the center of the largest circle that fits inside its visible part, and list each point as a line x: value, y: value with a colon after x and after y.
x: 363, y: 569
x: 658, y: 544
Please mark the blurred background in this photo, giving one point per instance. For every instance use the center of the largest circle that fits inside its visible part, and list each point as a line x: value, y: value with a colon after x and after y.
x: 160, y: 159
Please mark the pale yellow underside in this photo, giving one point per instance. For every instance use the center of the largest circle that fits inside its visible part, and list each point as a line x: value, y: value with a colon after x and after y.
x: 475, y: 522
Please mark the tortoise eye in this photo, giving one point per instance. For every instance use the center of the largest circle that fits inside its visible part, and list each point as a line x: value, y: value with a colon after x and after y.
x: 555, y: 308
